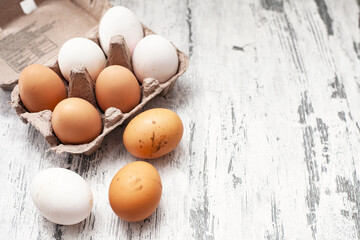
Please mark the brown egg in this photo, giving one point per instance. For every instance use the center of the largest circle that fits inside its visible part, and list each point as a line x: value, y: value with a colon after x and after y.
x: 153, y: 133
x: 40, y: 88
x: 76, y: 121
x: 116, y: 86
x: 135, y: 191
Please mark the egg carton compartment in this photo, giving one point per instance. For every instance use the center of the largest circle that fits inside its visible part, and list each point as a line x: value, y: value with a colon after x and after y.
x: 82, y: 85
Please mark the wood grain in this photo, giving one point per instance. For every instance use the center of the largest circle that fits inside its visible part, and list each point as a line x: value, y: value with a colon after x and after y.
x: 271, y: 113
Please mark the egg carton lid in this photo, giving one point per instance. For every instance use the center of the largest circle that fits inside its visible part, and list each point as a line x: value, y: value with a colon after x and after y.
x: 32, y: 31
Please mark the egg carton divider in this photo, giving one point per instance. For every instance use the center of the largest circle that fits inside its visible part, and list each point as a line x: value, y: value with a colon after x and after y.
x: 82, y: 85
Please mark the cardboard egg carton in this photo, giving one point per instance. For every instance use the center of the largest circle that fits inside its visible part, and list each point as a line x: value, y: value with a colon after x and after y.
x: 82, y: 85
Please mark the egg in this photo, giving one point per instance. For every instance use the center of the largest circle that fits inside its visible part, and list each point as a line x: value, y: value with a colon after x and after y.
x: 40, y: 88
x: 155, y: 57
x: 61, y: 196
x: 135, y: 191
x: 153, y: 133
x: 120, y: 21
x: 117, y: 87
x: 81, y: 51
x: 76, y: 121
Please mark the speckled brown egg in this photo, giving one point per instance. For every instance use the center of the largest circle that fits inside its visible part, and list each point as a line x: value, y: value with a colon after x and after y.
x: 116, y: 86
x: 76, y: 121
x: 135, y: 191
x: 153, y: 133
x: 40, y: 88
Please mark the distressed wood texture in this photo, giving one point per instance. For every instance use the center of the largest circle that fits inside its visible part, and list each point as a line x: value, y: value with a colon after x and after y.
x: 271, y: 113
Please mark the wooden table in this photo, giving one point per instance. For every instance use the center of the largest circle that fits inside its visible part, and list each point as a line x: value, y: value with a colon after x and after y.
x: 271, y: 113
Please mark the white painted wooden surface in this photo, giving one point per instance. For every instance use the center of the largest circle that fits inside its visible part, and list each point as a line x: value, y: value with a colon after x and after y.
x: 271, y: 112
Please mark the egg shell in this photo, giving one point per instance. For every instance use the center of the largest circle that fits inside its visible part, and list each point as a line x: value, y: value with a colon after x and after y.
x: 76, y: 121
x: 153, y: 133
x: 155, y: 57
x: 81, y: 51
x: 135, y: 191
x: 120, y: 20
x: 117, y: 87
x: 61, y: 196
x: 40, y: 88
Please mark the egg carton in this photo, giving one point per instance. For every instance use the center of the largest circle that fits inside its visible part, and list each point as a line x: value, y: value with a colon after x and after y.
x: 82, y: 85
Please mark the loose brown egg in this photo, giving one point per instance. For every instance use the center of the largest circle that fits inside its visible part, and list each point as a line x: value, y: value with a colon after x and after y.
x: 116, y: 86
x: 40, y: 88
x: 76, y: 121
x: 153, y: 133
x: 135, y: 191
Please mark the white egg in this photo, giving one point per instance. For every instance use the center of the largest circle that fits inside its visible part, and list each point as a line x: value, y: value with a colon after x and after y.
x: 155, y: 57
x: 120, y: 21
x: 81, y: 51
x: 61, y: 196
